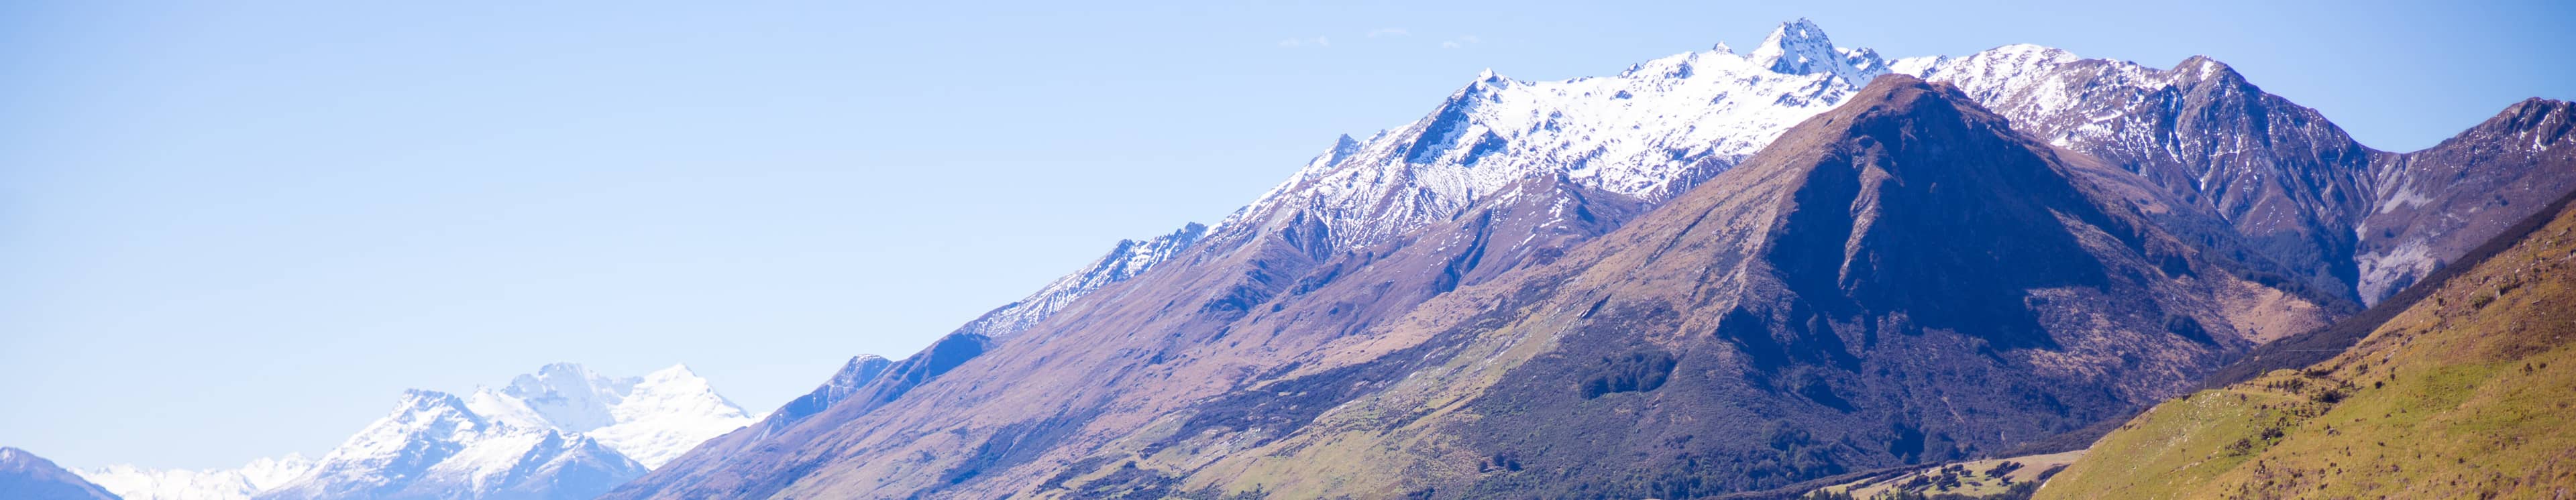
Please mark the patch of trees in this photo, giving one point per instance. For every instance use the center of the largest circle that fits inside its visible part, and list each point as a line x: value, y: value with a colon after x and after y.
x: 1637, y: 371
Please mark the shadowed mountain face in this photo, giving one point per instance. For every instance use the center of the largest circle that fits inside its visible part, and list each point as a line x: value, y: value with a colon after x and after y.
x: 26, y: 476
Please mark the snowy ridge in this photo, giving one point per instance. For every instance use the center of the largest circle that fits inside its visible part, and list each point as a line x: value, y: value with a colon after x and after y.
x: 2057, y: 95
x: 562, y: 395
x: 1125, y: 261
x: 242, y: 483
x: 1649, y: 132
x: 1800, y: 48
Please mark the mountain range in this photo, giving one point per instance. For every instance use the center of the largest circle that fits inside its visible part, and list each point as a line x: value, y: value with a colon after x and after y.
x: 1800, y: 268
x: 1711, y: 273
x: 563, y: 432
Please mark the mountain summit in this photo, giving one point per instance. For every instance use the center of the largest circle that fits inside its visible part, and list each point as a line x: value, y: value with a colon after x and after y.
x: 1800, y: 48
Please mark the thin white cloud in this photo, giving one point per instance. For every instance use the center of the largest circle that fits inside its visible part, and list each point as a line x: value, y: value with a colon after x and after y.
x: 1388, y: 32
x: 1448, y: 45
x: 1461, y: 41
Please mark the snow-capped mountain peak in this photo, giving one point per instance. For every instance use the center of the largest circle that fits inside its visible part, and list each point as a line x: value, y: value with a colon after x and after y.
x: 565, y: 396
x: 432, y: 413
x: 433, y: 446
x: 1800, y: 47
x: 1649, y: 132
x: 422, y: 416
x: 1343, y: 148
x: 564, y: 431
x: 651, y: 419
x: 667, y: 413
x: 425, y: 429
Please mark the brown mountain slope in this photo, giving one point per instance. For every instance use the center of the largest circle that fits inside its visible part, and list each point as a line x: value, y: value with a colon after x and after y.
x: 1243, y: 304
x: 2463, y: 394
x: 1903, y: 279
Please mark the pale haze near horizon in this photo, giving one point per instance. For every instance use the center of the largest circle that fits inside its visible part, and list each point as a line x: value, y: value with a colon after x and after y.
x: 234, y: 232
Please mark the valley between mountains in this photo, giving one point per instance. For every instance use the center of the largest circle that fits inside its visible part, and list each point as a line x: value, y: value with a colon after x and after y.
x: 1794, y: 270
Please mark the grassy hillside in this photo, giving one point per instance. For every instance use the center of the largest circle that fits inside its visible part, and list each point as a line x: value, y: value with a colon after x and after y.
x: 1989, y: 479
x: 2467, y: 393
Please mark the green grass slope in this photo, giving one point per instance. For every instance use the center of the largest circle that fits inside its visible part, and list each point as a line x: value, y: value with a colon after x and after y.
x: 2467, y: 393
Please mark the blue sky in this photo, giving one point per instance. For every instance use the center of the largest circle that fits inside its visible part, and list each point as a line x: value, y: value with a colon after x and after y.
x: 233, y: 231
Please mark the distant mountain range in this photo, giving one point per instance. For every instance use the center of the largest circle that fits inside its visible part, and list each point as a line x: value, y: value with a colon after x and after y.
x: 135, y: 483
x: 1714, y: 272
x: 562, y: 432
